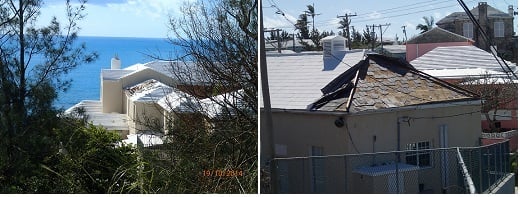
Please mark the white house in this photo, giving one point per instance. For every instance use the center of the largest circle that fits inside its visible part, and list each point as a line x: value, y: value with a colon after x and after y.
x: 138, y: 101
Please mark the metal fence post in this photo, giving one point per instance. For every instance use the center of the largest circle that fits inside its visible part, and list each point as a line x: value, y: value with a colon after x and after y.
x: 397, y: 172
x: 480, y: 169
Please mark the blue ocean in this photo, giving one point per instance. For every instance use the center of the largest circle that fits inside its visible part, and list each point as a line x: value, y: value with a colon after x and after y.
x: 86, y: 78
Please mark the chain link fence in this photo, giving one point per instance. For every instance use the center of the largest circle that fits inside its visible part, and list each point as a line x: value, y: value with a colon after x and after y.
x: 417, y: 171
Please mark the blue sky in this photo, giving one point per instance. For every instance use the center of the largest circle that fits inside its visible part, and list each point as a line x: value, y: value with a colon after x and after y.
x: 118, y: 18
x: 396, y: 12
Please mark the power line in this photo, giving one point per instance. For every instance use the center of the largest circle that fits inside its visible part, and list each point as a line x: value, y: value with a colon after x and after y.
x: 409, y: 13
x: 446, y: 116
x: 400, y: 8
x: 281, y: 12
x: 392, y: 16
x: 487, y: 39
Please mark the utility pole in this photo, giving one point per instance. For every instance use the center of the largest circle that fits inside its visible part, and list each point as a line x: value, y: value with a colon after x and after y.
x: 373, y: 36
x: 312, y: 14
x: 267, y: 153
x: 404, y: 31
x: 347, y: 28
x: 278, y: 38
x: 381, y: 34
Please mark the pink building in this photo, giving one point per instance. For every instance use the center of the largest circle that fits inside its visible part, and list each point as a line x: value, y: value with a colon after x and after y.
x: 436, y: 37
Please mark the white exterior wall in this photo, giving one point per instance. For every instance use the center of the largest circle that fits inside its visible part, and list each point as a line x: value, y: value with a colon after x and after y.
x: 298, y: 131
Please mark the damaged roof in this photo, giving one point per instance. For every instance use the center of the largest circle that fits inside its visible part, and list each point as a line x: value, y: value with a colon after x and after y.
x: 295, y: 79
x: 379, y: 82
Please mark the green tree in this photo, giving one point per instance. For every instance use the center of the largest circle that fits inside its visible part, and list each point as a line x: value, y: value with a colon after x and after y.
x: 356, y: 38
x: 312, y: 13
x: 33, y: 61
x: 302, y: 26
x: 90, y: 160
x: 428, y: 24
x: 220, y: 40
x: 368, y: 36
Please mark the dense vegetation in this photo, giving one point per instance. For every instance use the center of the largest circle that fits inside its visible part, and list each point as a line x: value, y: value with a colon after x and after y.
x: 43, y: 150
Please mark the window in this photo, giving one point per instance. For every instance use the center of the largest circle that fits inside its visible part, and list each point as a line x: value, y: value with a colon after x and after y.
x: 499, y: 29
x: 418, y: 158
x: 467, y: 30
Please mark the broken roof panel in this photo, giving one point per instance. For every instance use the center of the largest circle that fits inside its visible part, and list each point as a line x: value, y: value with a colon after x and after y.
x: 295, y: 80
x: 148, y: 91
x: 380, y: 82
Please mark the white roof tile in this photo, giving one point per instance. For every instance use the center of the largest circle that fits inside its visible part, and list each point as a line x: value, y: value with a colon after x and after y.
x: 93, y: 109
x: 295, y: 80
x: 455, y: 61
x: 148, y: 91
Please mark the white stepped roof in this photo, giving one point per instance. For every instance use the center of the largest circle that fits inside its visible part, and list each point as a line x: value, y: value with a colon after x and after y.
x: 94, y: 111
x: 454, y: 61
x: 148, y: 91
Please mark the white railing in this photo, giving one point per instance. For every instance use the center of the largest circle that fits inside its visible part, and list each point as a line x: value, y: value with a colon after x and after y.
x: 467, y: 177
x: 502, y: 135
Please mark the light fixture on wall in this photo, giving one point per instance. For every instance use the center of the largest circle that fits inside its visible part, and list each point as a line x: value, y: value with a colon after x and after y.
x: 339, y: 122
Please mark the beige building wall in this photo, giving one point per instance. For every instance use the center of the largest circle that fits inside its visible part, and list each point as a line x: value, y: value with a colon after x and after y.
x: 296, y: 132
x: 148, y: 116
x: 112, y: 91
x: 111, y: 96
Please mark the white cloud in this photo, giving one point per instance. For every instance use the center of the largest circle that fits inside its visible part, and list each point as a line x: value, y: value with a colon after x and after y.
x: 131, y: 18
x: 278, y: 21
x: 374, y: 15
x: 147, y: 8
x: 437, y: 16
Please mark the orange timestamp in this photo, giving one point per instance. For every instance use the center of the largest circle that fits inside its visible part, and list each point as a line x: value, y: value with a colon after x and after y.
x: 222, y: 173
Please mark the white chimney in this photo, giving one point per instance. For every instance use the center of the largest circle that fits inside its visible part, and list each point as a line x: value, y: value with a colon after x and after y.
x: 115, y: 63
x: 510, y: 10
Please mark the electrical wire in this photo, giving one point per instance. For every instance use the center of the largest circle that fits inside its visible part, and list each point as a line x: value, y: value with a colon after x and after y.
x: 401, y: 8
x: 350, y: 137
x: 368, y: 18
x: 446, y: 116
x: 281, y: 12
x: 487, y: 39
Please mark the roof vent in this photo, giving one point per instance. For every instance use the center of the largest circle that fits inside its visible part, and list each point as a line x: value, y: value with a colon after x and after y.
x: 115, y: 63
x: 333, y: 51
x: 333, y: 44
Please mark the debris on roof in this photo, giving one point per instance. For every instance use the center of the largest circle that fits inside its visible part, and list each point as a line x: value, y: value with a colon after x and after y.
x: 380, y: 82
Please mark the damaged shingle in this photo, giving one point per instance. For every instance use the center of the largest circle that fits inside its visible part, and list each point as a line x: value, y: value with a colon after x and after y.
x: 386, y: 83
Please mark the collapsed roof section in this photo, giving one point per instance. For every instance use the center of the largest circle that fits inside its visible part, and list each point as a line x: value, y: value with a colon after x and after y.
x: 380, y: 82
